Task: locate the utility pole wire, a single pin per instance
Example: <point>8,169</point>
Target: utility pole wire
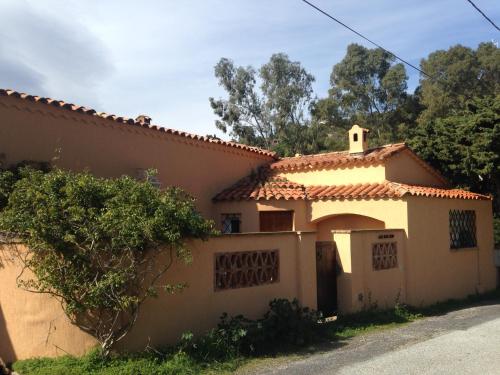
<point>484,15</point>
<point>368,40</point>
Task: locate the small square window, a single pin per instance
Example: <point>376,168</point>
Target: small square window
<point>231,223</point>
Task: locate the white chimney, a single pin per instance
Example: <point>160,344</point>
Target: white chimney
<point>358,139</point>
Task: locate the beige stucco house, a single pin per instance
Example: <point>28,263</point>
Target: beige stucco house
<point>340,231</point>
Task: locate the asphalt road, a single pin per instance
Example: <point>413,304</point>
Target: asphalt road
<point>461,342</point>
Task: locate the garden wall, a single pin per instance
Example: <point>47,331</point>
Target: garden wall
<point>35,325</point>
<point>373,264</point>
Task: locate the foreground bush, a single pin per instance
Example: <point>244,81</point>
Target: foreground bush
<point>100,246</point>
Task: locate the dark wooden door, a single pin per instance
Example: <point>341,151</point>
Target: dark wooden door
<point>326,277</point>
<point>276,221</point>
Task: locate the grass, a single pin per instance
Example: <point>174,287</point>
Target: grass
<point>178,361</point>
<point>174,363</point>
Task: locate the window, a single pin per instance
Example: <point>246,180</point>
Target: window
<point>462,229</point>
<point>231,223</point>
<point>355,137</point>
<point>384,255</point>
<point>276,221</point>
<point>246,268</point>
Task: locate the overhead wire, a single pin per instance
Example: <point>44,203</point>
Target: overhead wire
<point>484,15</point>
<point>367,39</point>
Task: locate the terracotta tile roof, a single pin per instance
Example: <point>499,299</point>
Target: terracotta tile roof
<point>264,186</point>
<point>129,121</point>
<point>425,191</point>
<point>339,159</point>
<point>353,191</point>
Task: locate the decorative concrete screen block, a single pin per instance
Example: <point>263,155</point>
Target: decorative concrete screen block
<point>384,255</point>
<point>246,268</point>
<point>462,229</point>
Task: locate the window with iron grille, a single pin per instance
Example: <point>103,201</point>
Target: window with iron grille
<point>231,223</point>
<point>384,255</point>
<point>246,268</point>
<point>462,229</point>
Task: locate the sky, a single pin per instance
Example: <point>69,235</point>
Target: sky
<point>157,57</point>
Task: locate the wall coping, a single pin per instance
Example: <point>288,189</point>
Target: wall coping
<point>264,233</point>
<point>366,230</point>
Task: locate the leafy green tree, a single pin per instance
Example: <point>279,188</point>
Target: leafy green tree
<point>458,127</point>
<point>459,75</point>
<point>367,87</point>
<point>100,246</point>
<point>465,146</point>
<point>277,114</point>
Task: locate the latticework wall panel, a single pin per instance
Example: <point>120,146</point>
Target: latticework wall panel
<point>384,255</point>
<point>246,268</point>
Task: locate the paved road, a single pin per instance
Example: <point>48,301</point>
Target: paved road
<point>461,342</point>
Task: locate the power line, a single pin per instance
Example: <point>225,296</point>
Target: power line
<point>365,38</point>
<point>484,15</point>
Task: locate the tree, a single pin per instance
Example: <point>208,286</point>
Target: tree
<point>100,246</point>
<point>459,75</point>
<point>367,88</point>
<point>458,127</point>
<point>275,114</point>
<point>465,146</point>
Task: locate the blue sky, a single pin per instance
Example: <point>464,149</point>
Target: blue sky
<point>157,57</point>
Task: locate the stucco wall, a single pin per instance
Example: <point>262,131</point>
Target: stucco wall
<point>346,221</point>
<point>391,211</point>
<point>359,286</point>
<point>337,176</point>
<point>434,271</point>
<point>40,132</point>
<point>404,168</point>
<point>34,325</point>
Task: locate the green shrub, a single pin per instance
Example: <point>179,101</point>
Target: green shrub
<point>285,325</point>
<point>100,246</point>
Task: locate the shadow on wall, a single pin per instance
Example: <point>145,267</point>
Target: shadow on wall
<point>6,350</point>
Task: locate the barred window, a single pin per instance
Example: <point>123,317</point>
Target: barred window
<point>384,255</point>
<point>231,223</point>
<point>246,268</point>
<point>462,229</point>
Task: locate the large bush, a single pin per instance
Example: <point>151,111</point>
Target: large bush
<point>101,246</point>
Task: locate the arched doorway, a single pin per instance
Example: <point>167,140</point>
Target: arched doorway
<point>325,226</point>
